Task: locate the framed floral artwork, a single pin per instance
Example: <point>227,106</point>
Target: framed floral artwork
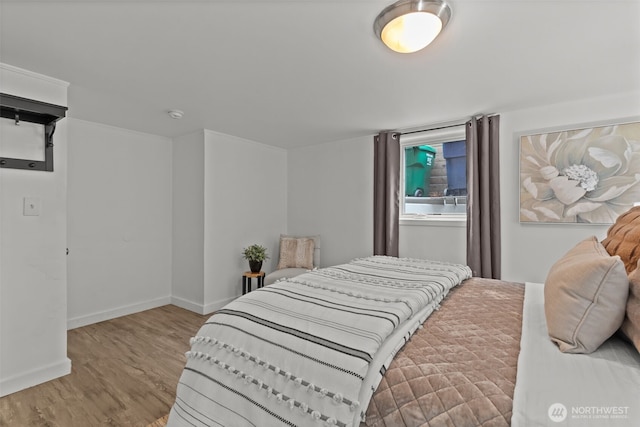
<point>583,176</point>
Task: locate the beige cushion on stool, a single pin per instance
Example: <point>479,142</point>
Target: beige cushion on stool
<point>285,273</point>
<point>296,253</point>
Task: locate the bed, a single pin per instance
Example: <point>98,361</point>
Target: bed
<point>391,342</point>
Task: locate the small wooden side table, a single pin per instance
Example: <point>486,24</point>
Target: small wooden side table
<point>246,280</point>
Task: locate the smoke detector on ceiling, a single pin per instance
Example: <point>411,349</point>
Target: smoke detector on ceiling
<point>176,114</point>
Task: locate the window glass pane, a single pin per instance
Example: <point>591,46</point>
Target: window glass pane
<point>435,174</point>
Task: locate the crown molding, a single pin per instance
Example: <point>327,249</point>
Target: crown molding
<point>11,68</point>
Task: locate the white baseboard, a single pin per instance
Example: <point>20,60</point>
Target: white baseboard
<point>34,377</point>
<point>89,319</point>
<point>216,305</point>
<point>187,305</point>
<point>200,308</point>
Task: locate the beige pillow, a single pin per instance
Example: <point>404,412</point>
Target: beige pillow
<point>585,297</point>
<point>296,252</point>
<point>631,323</point>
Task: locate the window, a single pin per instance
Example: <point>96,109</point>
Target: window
<point>434,182</point>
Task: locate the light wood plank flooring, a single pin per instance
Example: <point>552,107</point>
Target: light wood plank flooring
<point>124,373</point>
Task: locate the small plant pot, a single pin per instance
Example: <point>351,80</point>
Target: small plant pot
<point>255,266</point>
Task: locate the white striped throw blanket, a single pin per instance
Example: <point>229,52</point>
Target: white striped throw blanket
<point>310,350</point>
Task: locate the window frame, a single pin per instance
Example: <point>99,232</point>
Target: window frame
<point>436,136</point>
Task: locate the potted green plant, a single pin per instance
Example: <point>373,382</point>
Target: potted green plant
<point>255,254</point>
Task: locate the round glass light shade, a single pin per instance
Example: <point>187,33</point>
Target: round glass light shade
<point>411,32</point>
<point>410,25</point>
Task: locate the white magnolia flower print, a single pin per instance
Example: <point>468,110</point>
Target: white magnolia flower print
<point>586,176</point>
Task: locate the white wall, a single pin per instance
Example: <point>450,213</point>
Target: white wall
<point>446,241</point>
<point>119,222</point>
<point>331,193</point>
<point>33,273</point>
<point>529,250</point>
<point>228,193</point>
<point>245,203</point>
<point>187,288</point>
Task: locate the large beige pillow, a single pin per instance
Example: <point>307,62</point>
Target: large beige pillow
<point>585,297</point>
<point>631,323</point>
<point>296,252</point>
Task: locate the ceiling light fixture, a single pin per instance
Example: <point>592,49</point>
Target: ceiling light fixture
<point>410,25</point>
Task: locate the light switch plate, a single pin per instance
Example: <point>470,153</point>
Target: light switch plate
<point>31,206</point>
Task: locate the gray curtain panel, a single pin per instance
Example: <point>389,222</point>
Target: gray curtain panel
<point>386,192</point>
<point>483,201</point>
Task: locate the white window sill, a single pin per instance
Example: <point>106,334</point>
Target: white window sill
<point>435,220</point>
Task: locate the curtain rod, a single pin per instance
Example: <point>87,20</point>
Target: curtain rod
<point>455,125</point>
<point>452,124</point>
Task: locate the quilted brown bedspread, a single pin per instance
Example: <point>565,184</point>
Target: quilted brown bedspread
<point>460,369</point>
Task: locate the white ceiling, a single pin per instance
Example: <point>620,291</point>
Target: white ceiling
<point>299,72</point>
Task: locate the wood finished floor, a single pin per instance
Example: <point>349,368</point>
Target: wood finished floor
<point>124,373</point>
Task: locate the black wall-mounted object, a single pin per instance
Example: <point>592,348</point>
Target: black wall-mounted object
<point>29,110</point>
